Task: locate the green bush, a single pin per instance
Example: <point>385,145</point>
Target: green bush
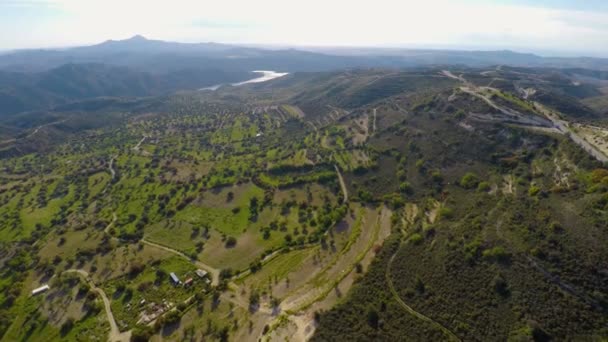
<point>445,213</point>
<point>534,190</point>
<point>469,180</point>
<point>416,238</point>
<point>483,187</point>
<point>497,253</point>
<point>405,187</point>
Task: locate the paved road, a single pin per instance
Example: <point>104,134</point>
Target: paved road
<point>115,334</point>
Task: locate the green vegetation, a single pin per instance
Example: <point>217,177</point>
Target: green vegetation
<point>441,225</point>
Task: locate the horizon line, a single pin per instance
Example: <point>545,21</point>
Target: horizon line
<point>320,47</point>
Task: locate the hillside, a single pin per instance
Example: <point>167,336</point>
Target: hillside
<point>21,92</point>
<point>423,204</point>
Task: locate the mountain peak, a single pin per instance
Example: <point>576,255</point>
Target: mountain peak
<point>137,38</point>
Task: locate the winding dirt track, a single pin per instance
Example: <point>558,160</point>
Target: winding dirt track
<point>107,228</point>
<point>450,335</point>
<point>552,117</point>
<point>562,126</point>
<point>136,148</point>
<point>42,126</point>
<point>215,273</point>
<point>111,167</point>
<point>115,334</point>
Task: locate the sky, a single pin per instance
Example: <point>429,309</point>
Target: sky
<point>545,27</point>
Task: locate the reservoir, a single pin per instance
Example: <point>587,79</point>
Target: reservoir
<point>266,75</point>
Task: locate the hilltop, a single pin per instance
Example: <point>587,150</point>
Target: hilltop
<point>158,56</point>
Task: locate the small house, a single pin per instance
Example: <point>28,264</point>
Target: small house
<point>188,282</point>
<point>201,273</point>
<point>40,290</point>
<point>174,278</point>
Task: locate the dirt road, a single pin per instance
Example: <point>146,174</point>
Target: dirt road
<point>115,334</point>
<point>107,228</point>
<point>41,127</point>
<point>450,335</point>
<point>215,273</point>
<point>563,127</point>
<point>374,122</point>
<point>342,184</point>
<point>111,168</point>
<point>136,148</point>
<point>514,116</point>
<point>553,118</point>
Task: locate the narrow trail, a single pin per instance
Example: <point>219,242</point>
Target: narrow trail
<point>451,336</point>
<point>215,273</point>
<point>115,334</point>
<point>42,126</point>
<point>565,287</point>
<point>136,148</point>
<point>342,184</point>
<point>111,168</point>
<point>449,74</point>
<point>109,226</point>
<point>34,132</point>
<point>374,121</point>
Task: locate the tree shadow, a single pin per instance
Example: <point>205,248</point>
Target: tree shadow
<point>169,329</point>
<point>253,308</point>
<point>341,227</point>
<point>117,294</point>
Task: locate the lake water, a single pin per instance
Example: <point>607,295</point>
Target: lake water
<point>267,75</point>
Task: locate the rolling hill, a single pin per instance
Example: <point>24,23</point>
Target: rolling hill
<point>76,82</point>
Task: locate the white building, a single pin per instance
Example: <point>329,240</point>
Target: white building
<point>201,273</point>
<point>40,290</point>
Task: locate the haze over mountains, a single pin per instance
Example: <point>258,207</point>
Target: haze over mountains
<point>161,56</point>
<point>42,79</point>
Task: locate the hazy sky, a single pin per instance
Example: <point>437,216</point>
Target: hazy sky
<point>546,27</point>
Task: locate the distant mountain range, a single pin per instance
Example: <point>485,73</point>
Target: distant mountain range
<point>160,56</point>
<point>136,67</point>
